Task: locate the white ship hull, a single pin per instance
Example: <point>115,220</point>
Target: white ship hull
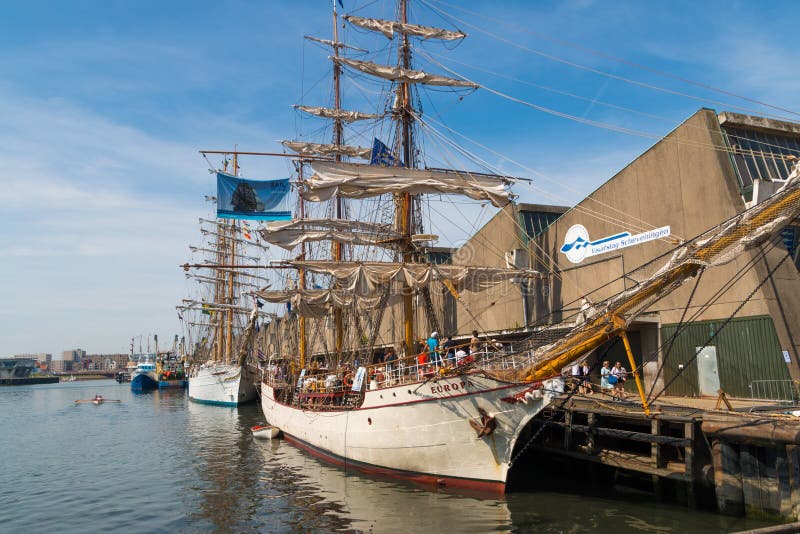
<point>420,431</point>
<point>221,384</point>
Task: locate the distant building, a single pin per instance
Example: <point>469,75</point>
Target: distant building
<point>75,355</point>
<point>40,357</point>
<point>107,362</point>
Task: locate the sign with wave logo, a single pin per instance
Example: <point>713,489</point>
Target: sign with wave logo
<point>577,245</point>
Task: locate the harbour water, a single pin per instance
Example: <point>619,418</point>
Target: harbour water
<point>158,463</point>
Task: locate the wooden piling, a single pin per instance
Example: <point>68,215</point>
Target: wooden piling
<point>727,478</point>
<point>750,460</point>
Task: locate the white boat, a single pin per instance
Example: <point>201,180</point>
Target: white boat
<point>221,384</point>
<point>423,431</point>
<point>265,432</point>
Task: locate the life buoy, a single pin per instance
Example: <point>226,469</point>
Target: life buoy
<point>348,380</point>
<point>380,378</point>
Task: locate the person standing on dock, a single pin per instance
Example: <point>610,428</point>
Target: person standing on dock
<point>587,383</point>
<point>605,372</point>
<point>621,374</point>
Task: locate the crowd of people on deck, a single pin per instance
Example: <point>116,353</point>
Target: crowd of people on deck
<point>433,355</point>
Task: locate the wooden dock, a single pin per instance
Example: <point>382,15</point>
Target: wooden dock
<point>741,461</point>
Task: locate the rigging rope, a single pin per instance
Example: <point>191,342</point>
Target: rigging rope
<point>614,76</point>
<point>613,58</point>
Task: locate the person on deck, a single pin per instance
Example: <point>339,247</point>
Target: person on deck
<point>422,360</point>
<point>474,343</point>
<point>433,349</point>
<point>449,350</point>
<point>390,359</point>
<point>461,356</point>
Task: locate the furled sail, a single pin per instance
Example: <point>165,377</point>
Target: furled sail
<point>292,233</point>
<point>341,114</point>
<point>319,149</point>
<point>365,279</point>
<point>388,27</point>
<point>399,74</point>
<point>318,302</point>
<point>334,44</point>
<point>363,181</point>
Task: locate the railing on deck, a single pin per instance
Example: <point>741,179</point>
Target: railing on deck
<point>785,390</point>
<point>333,387</point>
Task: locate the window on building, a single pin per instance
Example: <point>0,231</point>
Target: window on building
<point>536,222</point>
<point>760,155</point>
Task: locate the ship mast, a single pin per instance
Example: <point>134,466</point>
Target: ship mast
<point>302,274</point>
<point>217,319</point>
<point>232,261</point>
<point>405,204</point>
<point>338,140</point>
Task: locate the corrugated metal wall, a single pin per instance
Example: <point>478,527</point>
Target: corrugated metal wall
<point>747,349</point>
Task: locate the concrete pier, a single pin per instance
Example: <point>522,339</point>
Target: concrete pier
<point>28,381</point>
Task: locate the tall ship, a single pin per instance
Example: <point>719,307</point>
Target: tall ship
<point>353,367</point>
<point>219,319</point>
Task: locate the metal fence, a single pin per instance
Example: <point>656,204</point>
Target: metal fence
<point>785,390</point>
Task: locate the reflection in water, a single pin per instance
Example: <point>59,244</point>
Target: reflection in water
<point>371,504</point>
<point>159,463</point>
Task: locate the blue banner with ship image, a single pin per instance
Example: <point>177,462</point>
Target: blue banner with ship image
<point>260,200</point>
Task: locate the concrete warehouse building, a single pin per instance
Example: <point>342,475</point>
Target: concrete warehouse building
<point>707,170</point>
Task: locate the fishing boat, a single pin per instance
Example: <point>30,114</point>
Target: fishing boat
<point>171,369</point>
<point>142,366</point>
<point>144,377</point>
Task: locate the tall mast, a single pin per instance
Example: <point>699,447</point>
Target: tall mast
<point>232,261</point>
<point>218,290</point>
<point>406,212</point>
<point>302,273</point>
<point>338,139</point>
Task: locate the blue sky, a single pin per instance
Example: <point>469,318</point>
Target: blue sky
<point>104,105</point>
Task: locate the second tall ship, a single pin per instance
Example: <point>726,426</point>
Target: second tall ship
<point>219,321</point>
